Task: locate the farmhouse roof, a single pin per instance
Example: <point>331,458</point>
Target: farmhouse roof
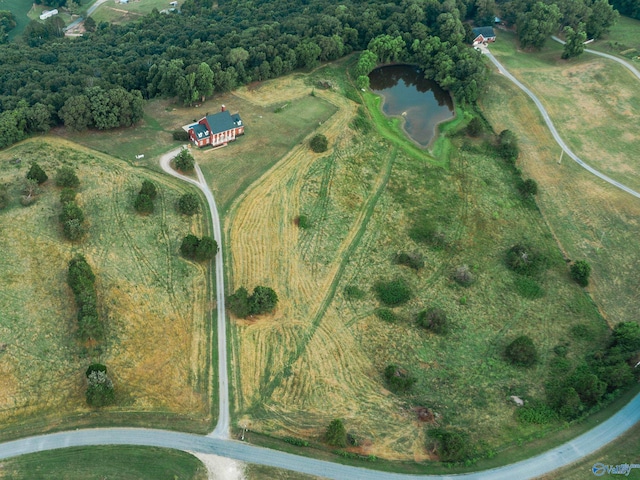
<point>200,131</point>
<point>486,32</point>
<point>223,121</point>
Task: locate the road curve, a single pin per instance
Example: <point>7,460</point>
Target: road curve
<point>222,427</point>
<point>542,464</point>
<point>553,130</point>
<point>624,63</point>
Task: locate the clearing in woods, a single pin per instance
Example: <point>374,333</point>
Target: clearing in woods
<point>321,355</point>
<point>156,306</point>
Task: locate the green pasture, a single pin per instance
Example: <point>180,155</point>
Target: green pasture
<point>152,302</point>
<point>20,9</point>
<point>623,39</point>
<point>113,12</point>
<point>104,462</point>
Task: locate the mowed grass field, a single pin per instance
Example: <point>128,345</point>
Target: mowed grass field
<point>105,462</point>
<point>590,219</point>
<point>593,102</point>
<point>321,355</point>
<point>622,39</point>
<point>116,12</point>
<point>20,9</point>
<point>156,306</point>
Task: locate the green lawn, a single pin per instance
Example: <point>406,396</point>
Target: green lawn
<point>623,37</point>
<point>105,462</point>
<point>20,9</point>
<point>121,13</point>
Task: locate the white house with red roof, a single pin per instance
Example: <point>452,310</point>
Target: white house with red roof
<point>216,130</point>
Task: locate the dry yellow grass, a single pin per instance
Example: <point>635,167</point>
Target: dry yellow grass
<point>153,303</point>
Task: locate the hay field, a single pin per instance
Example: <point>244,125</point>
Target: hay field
<point>155,305</point>
<point>320,355</point>
<point>590,219</point>
<point>594,103</point>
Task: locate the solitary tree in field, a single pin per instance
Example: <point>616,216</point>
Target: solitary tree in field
<point>319,143</point>
<point>37,173</point>
<point>580,272</point>
<point>522,352</point>
<point>189,204</point>
<point>336,434</point>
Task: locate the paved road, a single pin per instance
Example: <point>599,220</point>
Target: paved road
<point>90,10</point>
<point>222,428</point>
<point>626,64</point>
<point>531,468</point>
<point>552,127</point>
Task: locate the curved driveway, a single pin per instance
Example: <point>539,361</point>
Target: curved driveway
<point>552,127</point>
<point>218,441</point>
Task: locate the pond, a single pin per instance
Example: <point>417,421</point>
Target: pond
<point>421,103</point>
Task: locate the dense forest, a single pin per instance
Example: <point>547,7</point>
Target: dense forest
<point>99,80</point>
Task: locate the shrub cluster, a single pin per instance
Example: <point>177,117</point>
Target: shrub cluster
<point>319,143</point>
<point>180,135</point>
<point>386,315</point>
<point>393,292</point>
<point>425,231</point>
<point>81,280</point>
<point>263,300</point>
<point>454,445</point>
<point>434,319</point>
<point>296,441</point>
<point>580,272</point>
<point>100,390</point>
<point>66,177</point>
<point>353,292</point>
<point>189,204</point>
<point>463,276</point>
<point>507,146</point>
<point>522,352</point>
<point>184,162</point>
<point>411,260</point>
<point>72,219</point>
<point>198,249</point>
<point>144,200</point>
<point>336,434</point>
<point>524,259</point>
<point>398,379</point>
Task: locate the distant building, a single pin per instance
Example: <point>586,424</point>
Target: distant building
<point>48,13</point>
<point>173,4</point>
<point>483,35</point>
<point>215,130</point>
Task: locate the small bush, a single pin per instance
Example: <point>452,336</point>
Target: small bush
<point>385,315</point>
<point>336,434</point>
<point>522,352</point>
<point>66,177</point>
<point>73,229</point>
<point>524,260</point>
<point>528,188</point>
<point>100,389</point>
<point>475,127</point>
<point>143,204</point>
<point>423,231</point>
<point>527,287</point>
<point>71,211</point>
<point>319,143</point>
<point>180,136</point>
<point>454,445</point>
<point>582,332</point>
<point>67,195</point>
<point>296,441</point>
<point>37,173</point>
<point>398,379</point>
<point>536,412</point>
<point>463,276</point>
<point>149,189</point>
<point>411,260</point>
<point>434,319</point>
<point>508,146</point>
<point>302,221</point>
<point>393,293</point>
<point>580,272</point>
<point>352,292</point>
<point>189,204</point>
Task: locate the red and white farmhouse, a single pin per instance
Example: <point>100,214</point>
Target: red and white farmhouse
<point>215,130</point>
<point>483,35</point>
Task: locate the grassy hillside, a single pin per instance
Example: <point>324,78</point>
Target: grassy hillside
<point>322,354</point>
<point>99,463</point>
<point>155,305</point>
<point>589,218</point>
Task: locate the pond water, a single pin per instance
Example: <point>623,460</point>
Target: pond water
<point>421,103</point>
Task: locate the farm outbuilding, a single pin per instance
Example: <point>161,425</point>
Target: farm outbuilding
<point>215,130</point>
<point>48,13</point>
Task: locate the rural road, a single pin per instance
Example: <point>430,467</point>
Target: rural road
<point>527,469</point>
<point>626,64</point>
<point>552,127</point>
<point>222,428</point>
<point>90,10</point>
